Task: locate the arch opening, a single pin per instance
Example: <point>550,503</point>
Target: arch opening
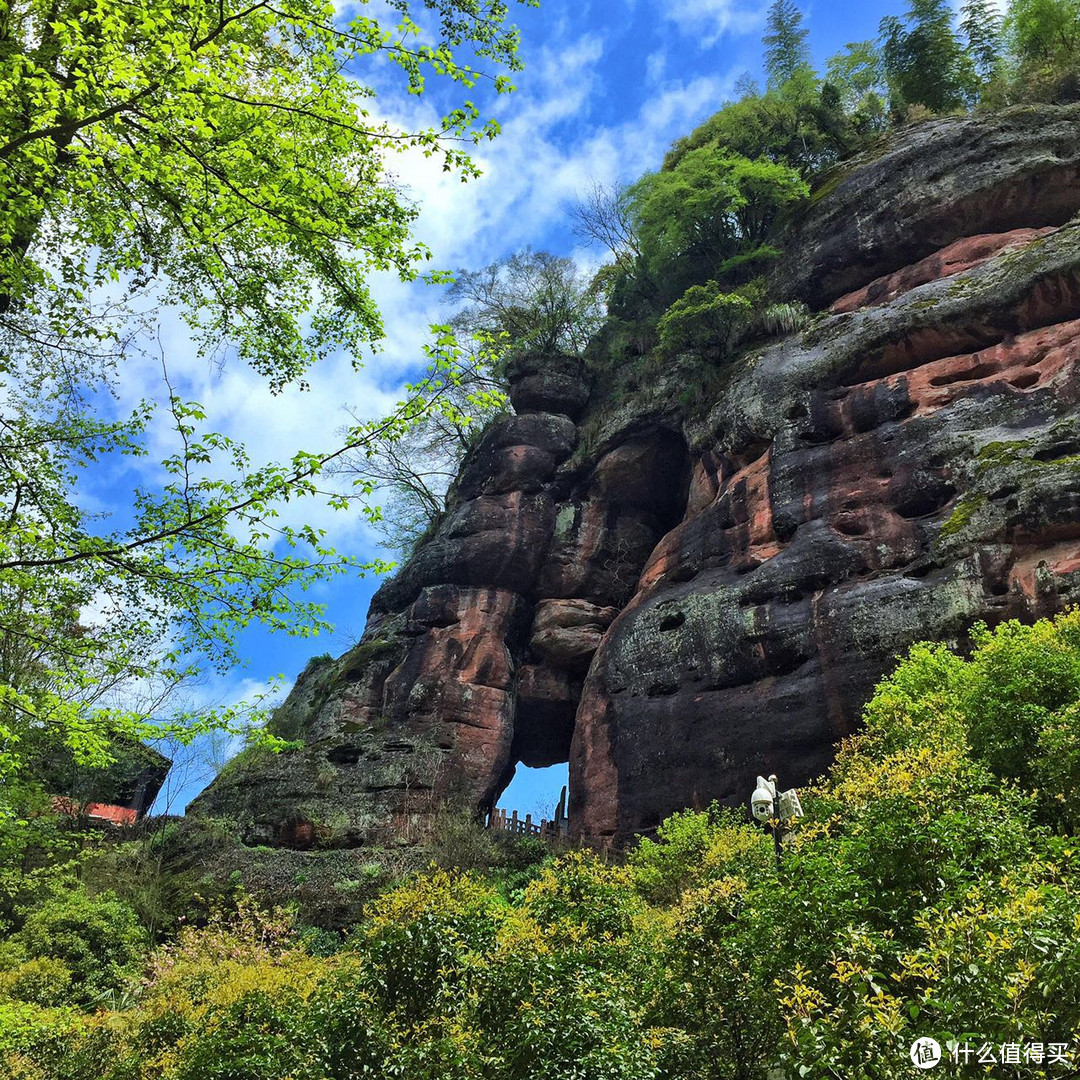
<point>535,791</point>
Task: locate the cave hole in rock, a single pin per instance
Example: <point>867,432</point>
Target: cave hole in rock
<point>1025,380</point>
<point>535,791</point>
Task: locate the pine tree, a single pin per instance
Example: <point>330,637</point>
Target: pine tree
<point>786,51</point>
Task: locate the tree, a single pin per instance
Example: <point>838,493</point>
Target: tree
<point>1044,35</point>
<point>222,157</point>
<point>709,217</point>
<point>924,61</point>
<point>603,216</point>
<point>981,26</point>
<point>414,470</point>
<point>797,125</point>
<point>533,301</point>
<point>222,149</point>
<point>786,51</point>
<point>856,73</point>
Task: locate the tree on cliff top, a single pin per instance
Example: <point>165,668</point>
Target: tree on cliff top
<point>531,301</point>
<point>1044,36</point>
<point>786,51</point>
<point>710,216</point>
<point>923,58</point>
<point>225,157</point>
<point>981,25</point>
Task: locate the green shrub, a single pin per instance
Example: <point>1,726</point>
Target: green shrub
<point>692,848</point>
<point>1022,679</point>
<point>705,317</point>
<point>41,981</point>
<point>98,940</point>
<point>714,318</point>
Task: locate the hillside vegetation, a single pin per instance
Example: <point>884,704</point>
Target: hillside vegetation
<point>931,890</point>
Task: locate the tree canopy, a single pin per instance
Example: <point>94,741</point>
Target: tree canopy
<point>227,152</point>
<point>709,214</point>
<point>230,159</point>
<point>924,60</point>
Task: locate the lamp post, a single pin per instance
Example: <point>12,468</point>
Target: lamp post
<point>775,807</point>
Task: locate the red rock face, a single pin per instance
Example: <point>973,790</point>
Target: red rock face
<point>566,633</point>
<point>457,680</point>
<point>697,601</point>
<point>965,254</point>
<point>904,494</point>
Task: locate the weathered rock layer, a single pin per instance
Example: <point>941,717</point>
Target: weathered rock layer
<point>688,600</point>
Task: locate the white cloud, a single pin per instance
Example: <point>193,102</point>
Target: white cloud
<point>708,20</point>
<point>656,66</point>
<point>531,172</point>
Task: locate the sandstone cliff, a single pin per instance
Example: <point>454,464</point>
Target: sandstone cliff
<point>675,598</point>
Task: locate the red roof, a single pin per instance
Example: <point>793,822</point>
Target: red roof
<point>120,815</point>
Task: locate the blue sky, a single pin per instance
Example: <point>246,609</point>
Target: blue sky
<point>606,88</point>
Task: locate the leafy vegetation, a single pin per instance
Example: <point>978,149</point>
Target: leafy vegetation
<point>222,159</point>
<point>932,889</point>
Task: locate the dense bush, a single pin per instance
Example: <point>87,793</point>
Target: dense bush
<point>930,890</point>
<point>90,942</point>
<point>709,216</point>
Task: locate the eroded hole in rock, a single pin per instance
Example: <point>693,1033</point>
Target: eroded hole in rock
<point>849,525</point>
<point>1026,380</point>
<point>544,725</point>
<point>782,659</point>
<point>979,371</point>
<point>672,621</point>
<point>921,495</point>
<point>675,480</point>
<point>1057,451</point>
<point>535,791</point>
<point>664,688</point>
<point>925,345</point>
<point>344,755</point>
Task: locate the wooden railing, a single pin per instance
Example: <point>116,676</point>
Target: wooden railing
<point>502,821</point>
